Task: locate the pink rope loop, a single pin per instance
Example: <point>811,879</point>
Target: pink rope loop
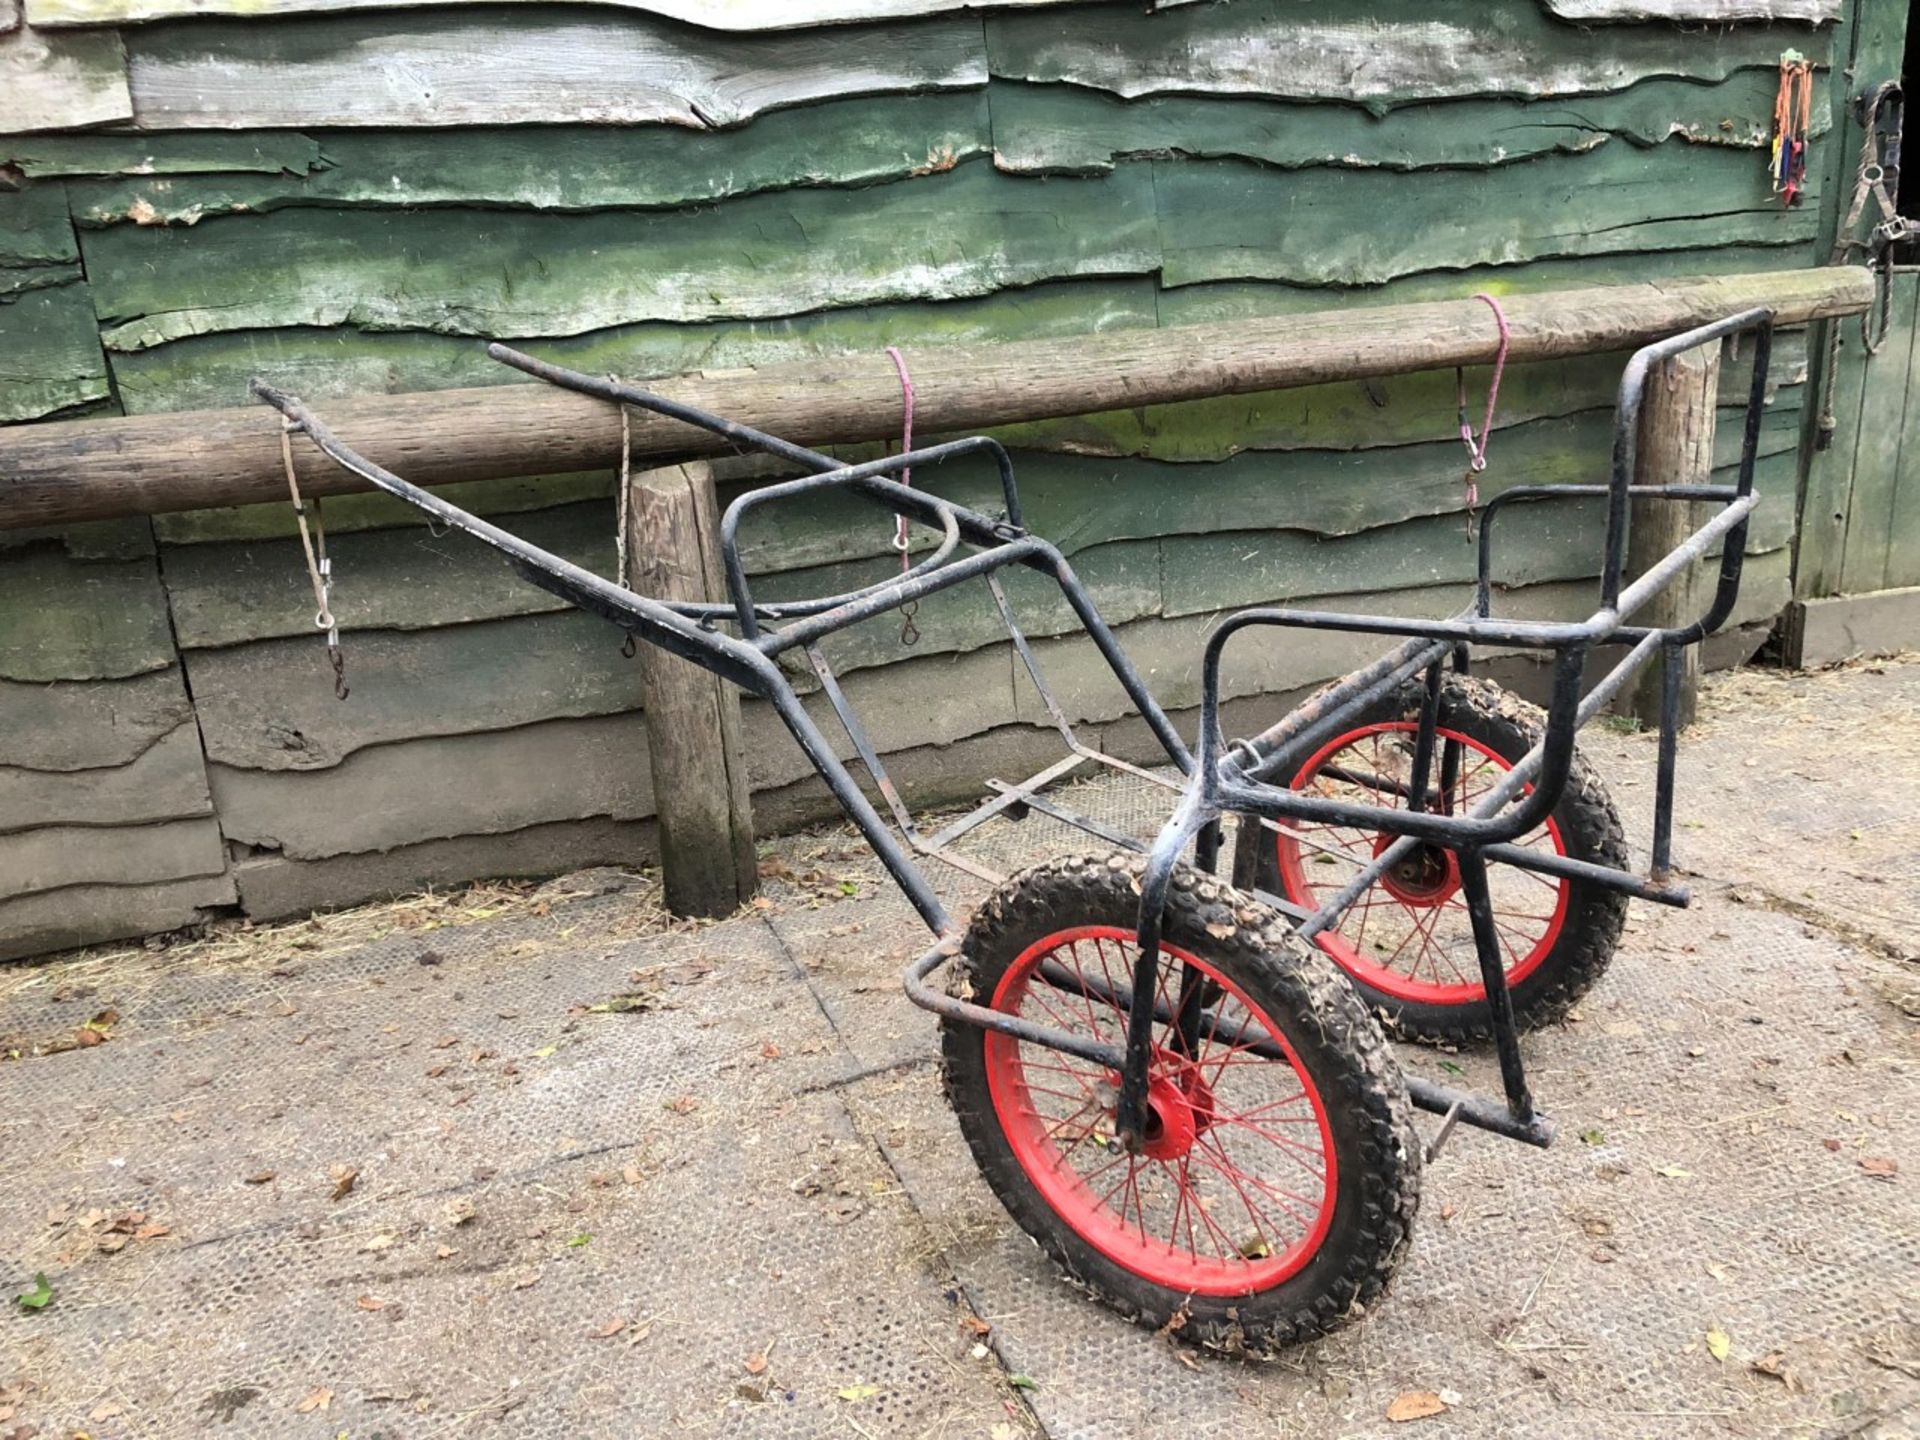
<point>1477,448</point>
<point>906,444</point>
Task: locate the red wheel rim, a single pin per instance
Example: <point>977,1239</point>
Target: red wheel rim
<point>1236,1189</point>
<point>1409,936</point>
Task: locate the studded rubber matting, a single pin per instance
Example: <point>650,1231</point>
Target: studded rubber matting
<point>730,1200</point>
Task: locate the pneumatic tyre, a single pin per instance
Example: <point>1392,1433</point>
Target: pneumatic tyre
<point>1278,1184</point>
<point>1407,942</point>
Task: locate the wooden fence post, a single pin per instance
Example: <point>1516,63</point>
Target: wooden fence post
<point>700,791</point>
<point>1676,448</point>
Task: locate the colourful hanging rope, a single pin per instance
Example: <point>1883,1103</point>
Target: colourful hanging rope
<point>1792,119</point>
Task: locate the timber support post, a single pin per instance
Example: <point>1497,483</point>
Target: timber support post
<point>1676,448</point>
<point>705,814</point>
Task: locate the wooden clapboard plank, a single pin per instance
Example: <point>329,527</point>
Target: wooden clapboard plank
<point>213,370</point>
<point>1535,543</point>
<point>1705,12</point>
<point>1069,128</point>
<point>83,725</point>
<point>1221,219</point>
<point>56,856</point>
<point>1168,649</point>
<point>34,228</point>
<point>841,142</point>
<point>743,15</point>
<point>1345,50</point>
<point>432,789</point>
<point>55,81</point>
<point>538,65</point>
<point>1877,469</point>
<point>272,885</point>
<point>128,539</point>
<point>351,514</point>
<point>90,914</point>
<point>67,620</point>
<point>967,232</point>
<point>41,157</point>
<point>405,579</point>
<point>1225,300</point>
<point>167,781</point>
<point>50,357</point>
<point>271,706</point>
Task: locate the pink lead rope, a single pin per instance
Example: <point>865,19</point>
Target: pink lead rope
<point>1477,448</point>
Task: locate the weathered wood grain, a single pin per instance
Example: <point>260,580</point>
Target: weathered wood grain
<point>91,914</point>
<point>417,790</point>
<point>520,67</point>
<point>1345,51</point>
<point>212,370</point>
<point>1676,447</point>
<point>271,706</point>
<point>1220,301</point>
<point>56,856</point>
<point>50,356</point>
<point>128,539</point>
<point>53,81</point>
<point>405,579</point>
<point>41,157</point>
<point>81,725</point>
<point>1218,217</point>
<point>1880,469</point>
<point>1704,12</point>
<point>97,469</point>
<point>672,541</point>
<point>566,168</point>
<point>65,620</point>
<point>168,781</point>
<point>966,232</point>
<point>34,228</point>
<point>1042,128</point>
<point>742,15</point>
<point>272,886</point>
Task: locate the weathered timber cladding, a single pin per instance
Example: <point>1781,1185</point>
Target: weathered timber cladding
<point>345,198</point>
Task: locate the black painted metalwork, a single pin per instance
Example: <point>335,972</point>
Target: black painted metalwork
<point>1222,776</point>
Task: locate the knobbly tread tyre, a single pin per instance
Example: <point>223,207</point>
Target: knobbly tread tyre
<point>1378,1153</point>
<point>1588,823</point>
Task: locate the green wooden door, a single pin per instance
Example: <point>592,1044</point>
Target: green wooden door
<point>1859,520</point>
<point>1860,527</point>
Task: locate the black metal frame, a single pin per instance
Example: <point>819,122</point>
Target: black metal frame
<point>1223,776</point>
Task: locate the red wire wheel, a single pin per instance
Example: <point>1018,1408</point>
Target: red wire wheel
<point>1407,942</point>
<point>1277,1174</point>
<point>1235,1189</point>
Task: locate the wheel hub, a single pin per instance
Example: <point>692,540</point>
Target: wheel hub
<point>1179,1107</point>
<point>1425,877</point>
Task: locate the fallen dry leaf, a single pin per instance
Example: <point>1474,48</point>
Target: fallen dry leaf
<point>106,1410</point>
<point>259,1177</point>
<point>1882,1167</point>
<point>755,1364</point>
<point>1719,1343</point>
<point>633,1174</point>
<point>344,1178</point>
<point>315,1400</point>
<point>369,1302</point>
<point>681,1105</point>
<point>1775,1365</point>
<point>379,1242</point>
<point>976,1325</point>
<point>611,1328</point>
<point>1414,1405</point>
<point>152,1230</point>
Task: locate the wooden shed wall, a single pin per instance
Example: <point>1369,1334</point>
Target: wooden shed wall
<point>346,201</point>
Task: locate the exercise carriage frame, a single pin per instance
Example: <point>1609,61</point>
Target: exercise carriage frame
<point>1220,776</point>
